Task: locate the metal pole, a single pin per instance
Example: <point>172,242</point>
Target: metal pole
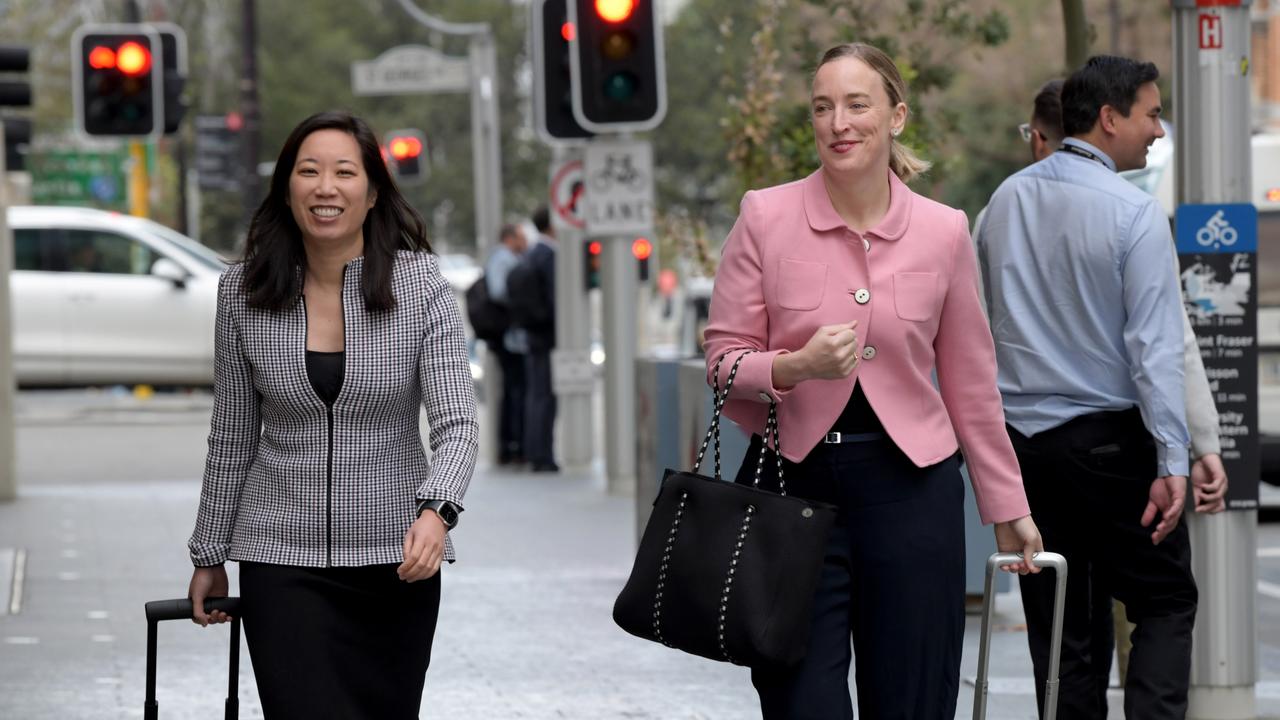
<point>573,336</point>
<point>619,283</point>
<point>8,466</point>
<point>1212,158</point>
<point>249,110</point>
<point>485,141</point>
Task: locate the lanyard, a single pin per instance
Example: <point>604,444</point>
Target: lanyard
<point>1077,150</point>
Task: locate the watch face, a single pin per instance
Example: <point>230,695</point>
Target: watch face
<point>448,514</point>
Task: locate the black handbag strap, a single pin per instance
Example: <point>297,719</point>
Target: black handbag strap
<point>713,432</point>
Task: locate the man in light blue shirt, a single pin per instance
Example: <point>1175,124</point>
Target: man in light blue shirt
<point>1087,323</point>
<point>509,349</point>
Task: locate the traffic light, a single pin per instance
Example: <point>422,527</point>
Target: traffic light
<point>405,149</point>
<point>642,249</point>
<point>173,51</point>
<point>591,264</point>
<point>552,81</point>
<point>617,64</point>
<point>15,92</point>
<point>118,85</point>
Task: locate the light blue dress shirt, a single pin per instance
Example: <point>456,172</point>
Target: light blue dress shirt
<point>501,262</point>
<point>1084,313</point>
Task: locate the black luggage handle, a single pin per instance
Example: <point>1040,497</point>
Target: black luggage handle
<point>181,609</point>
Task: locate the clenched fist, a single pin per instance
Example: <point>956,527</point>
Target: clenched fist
<point>831,354</point>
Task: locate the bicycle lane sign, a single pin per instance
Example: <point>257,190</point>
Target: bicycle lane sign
<point>1217,253</point>
<point>619,197</point>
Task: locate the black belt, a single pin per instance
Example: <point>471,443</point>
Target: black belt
<point>839,438</point>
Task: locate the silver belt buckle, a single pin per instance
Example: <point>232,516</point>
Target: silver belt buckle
<point>833,438</point>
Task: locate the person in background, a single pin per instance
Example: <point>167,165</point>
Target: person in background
<point>1091,357</point>
<point>511,348</point>
<point>1043,135</point>
<point>540,399</point>
<point>330,334</point>
<point>843,294</point>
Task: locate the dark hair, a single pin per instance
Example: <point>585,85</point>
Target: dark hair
<point>542,219</point>
<point>274,254</point>
<point>1048,110</point>
<point>507,231</point>
<point>1104,80</point>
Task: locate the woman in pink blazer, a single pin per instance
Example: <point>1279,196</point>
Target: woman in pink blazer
<point>853,291</point>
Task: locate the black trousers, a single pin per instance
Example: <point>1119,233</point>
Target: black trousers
<point>338,642</point>
<point>1088,483</point>
<point>511,408</point>
<point>540,403</point>
<point>893,583</point>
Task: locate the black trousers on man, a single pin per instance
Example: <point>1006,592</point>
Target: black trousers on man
<point>1088,483</point>
<point>540,413</point>
<point>512,405</point>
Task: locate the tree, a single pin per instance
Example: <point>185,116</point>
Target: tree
<point>1075,28</point>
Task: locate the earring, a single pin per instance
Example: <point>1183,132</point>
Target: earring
<point>895,131</point>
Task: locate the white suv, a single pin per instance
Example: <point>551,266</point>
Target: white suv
<point>105,298</point>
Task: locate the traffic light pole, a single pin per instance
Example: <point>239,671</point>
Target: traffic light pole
<point>572,371</point>
<point>8,466</point>
<point>485,145</point>
<point>619,283</point>
<point>1211,94</point>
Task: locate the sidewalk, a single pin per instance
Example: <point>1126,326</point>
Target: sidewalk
<point>525,628</point>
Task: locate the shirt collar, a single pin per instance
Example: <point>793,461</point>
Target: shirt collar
<point>1106,159</point>
<point>822,214</point>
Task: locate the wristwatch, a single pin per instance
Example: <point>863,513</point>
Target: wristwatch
<point>447,511</point>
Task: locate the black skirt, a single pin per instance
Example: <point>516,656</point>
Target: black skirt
<point>338,642</point>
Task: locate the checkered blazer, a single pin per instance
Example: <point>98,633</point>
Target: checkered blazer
<point>288,482</point>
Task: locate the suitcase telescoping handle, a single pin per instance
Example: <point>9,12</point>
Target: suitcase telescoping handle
<point>1048,560</point>
<point>160,610</point>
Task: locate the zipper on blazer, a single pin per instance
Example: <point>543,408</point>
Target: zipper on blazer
<point>328,500</point>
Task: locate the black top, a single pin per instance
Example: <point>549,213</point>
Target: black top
<point>325,371</point>
<point>857,417</point>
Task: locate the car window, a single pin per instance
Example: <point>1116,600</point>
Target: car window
<point>192,249</point>
<point>98,251</point>
<point>29,253</point>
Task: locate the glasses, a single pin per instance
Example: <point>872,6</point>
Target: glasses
<point>1025,131</point>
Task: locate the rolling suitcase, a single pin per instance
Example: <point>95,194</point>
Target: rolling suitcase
<point>161,610</point>
<point>1045,560</point>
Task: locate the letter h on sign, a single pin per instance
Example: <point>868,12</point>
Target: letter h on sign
<point>1210,32</point>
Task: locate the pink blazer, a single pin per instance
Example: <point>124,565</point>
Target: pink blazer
<point>790,265</point>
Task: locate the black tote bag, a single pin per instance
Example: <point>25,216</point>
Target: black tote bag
<point>727,571</point>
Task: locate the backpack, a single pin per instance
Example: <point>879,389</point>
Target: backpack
<point>489,319</point>
<point>526,298</point>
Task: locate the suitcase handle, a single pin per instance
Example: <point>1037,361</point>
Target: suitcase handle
<point>181,609</point>
<point>1043,560</point>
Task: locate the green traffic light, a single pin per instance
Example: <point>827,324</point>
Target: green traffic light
<point>620,86</point>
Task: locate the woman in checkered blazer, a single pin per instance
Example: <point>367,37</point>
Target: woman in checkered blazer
<point>333,330</point>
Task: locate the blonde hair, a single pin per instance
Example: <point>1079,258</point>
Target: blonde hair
<point>902,160</point>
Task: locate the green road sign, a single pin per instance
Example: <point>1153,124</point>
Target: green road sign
<point>88,178</point>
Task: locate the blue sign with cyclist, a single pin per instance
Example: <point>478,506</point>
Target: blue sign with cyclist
<point>1218,259</point>
<point>1217,228</point>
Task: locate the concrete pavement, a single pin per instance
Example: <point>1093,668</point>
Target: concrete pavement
<point>525,629</point>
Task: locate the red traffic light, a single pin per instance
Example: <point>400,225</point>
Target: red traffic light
<point>133,59</point>
<point>568,32</point>
<point>615,11</point>
<point>595,248</point>
<point>642,248</point>
<point>102,58</point>
<point>403,148</point>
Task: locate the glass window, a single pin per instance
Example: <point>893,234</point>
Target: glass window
<point>96,251</point>
<point>26,250</point>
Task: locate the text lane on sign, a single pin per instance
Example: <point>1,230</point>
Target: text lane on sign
<point>618,197</point>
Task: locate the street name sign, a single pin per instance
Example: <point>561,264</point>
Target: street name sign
<point>410,70</point>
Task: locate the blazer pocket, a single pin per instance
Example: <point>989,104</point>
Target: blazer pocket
<point>801,284</point>
<point>915,295</point>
